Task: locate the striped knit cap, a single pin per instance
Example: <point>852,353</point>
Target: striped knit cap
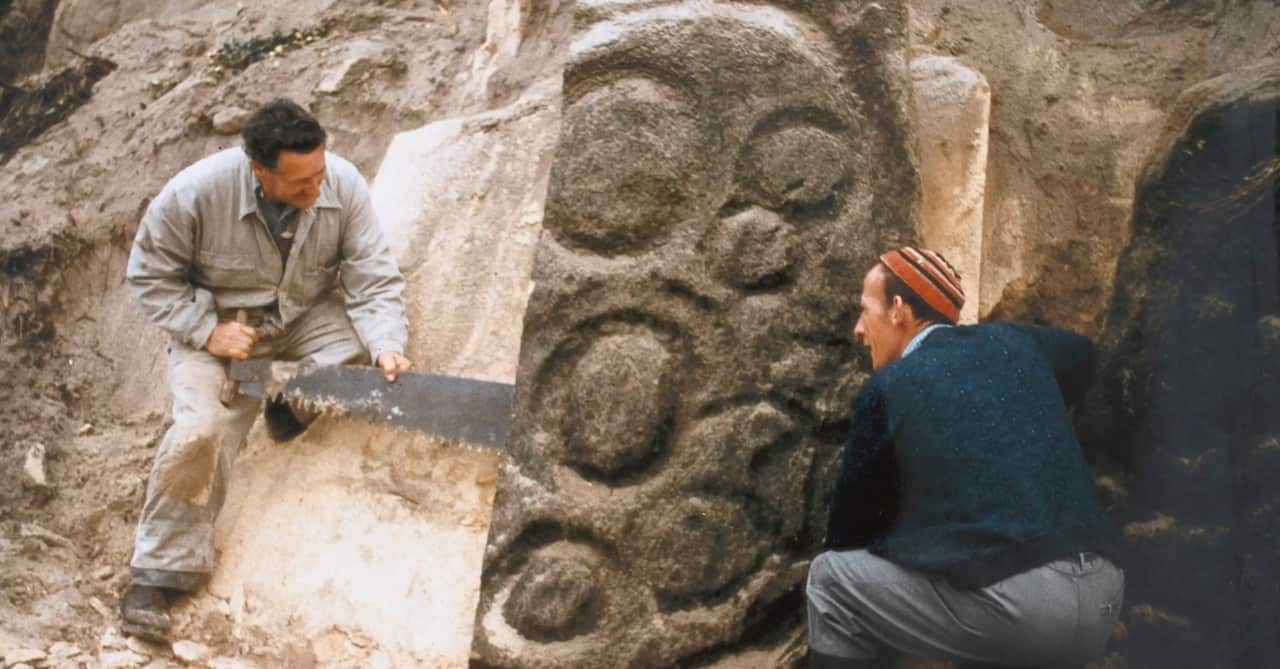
<point>930,276</point>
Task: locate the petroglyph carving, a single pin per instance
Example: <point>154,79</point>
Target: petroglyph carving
<point>725,174</point>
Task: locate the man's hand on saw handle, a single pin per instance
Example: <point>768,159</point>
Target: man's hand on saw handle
<point>232,340</point>
<point>235,341</point>
<point>392,364</point>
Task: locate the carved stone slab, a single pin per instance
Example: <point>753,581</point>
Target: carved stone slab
<point>726,174</point>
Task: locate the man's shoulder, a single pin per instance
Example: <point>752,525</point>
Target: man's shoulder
<point>944,348</point>
<point>344,184</point>
<point>334,161</point>
<point>227,165</point>
<point>341,170</point>
<point>968,339</point>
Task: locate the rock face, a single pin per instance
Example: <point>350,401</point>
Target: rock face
<point>726,173</point>
<point>24,31</point>
<point>1187,412</point>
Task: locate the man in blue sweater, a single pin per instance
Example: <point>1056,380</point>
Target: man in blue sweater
<point>964,523</point>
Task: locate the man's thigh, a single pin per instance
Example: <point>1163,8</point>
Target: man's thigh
<point>205,435</point>
<point>195,379</point>
<point>865,604</point>
<point>324,336</point>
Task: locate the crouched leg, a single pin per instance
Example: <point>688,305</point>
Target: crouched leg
<point>173,547</point>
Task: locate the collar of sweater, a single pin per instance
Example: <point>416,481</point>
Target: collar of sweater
<point>920,337</point>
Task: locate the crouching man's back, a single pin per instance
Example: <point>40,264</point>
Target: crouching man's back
<point>964,523</point>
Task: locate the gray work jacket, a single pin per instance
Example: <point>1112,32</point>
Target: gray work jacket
<point>203,247</point>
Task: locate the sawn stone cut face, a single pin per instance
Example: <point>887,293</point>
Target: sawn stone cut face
<point>725,176</point>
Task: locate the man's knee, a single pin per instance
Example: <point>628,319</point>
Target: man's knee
<point>844,570</point>
<point>185,467</point>
<point>820,574</point>
<point>823,597</point>
<point>835,638</point>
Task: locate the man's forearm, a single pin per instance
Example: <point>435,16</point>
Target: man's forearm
<point>184,311</point>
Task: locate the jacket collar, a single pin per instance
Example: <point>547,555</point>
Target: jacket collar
<point>920,337</point>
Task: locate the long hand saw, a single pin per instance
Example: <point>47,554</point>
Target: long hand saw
<point>476,413</point>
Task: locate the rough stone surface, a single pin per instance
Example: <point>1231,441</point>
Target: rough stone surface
<point>78,24</point>
<point>24,31</point>
<point>358,60</point>
<point>63,650</point>
<point>121,659</point>
<point>953,111</point>
<point>23,655</point>
<point>686,370</point>
<point>144,647</point>
<point>1187,412</point>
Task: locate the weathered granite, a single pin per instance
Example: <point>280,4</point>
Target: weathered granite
<point>726,173</point>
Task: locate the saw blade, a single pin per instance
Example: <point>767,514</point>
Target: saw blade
<point>469,411</point>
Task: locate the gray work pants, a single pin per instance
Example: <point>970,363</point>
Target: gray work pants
<point>173,547</point>
<point>1060,614</point>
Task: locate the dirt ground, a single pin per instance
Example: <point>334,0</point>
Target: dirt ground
<point>83,398</point>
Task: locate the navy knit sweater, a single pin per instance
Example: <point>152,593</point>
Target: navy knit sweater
<point>961,461</point>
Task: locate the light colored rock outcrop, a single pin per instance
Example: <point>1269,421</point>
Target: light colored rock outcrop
<point>953,109</point>
<point>462,202</point>
<point>367,534</point>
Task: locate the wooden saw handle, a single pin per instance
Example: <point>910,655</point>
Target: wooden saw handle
<point>231,387</point>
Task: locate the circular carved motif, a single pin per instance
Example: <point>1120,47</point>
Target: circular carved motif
<point>636,167</point>
<point>618,402</point>
<point>751,249</point>
<point>554,594</point>
<point>696,547</point>
<point>796,171</point>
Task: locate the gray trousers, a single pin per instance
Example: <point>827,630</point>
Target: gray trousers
<point>173,547</point>
<point>1060,614</point>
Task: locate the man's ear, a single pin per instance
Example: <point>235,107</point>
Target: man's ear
<point>895,310</point>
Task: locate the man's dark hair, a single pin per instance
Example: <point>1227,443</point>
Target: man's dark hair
<point>280,125</point>
<point>895,287</point>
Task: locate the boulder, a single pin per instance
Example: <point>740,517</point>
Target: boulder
<point>461,201</point>
<point>725,175</point>
<point>953,113</point>
<point>1187,406</point>
<point>191,652</point>
<point>371,530</point>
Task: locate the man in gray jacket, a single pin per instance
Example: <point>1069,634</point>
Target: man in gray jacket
<point>285,232</point>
